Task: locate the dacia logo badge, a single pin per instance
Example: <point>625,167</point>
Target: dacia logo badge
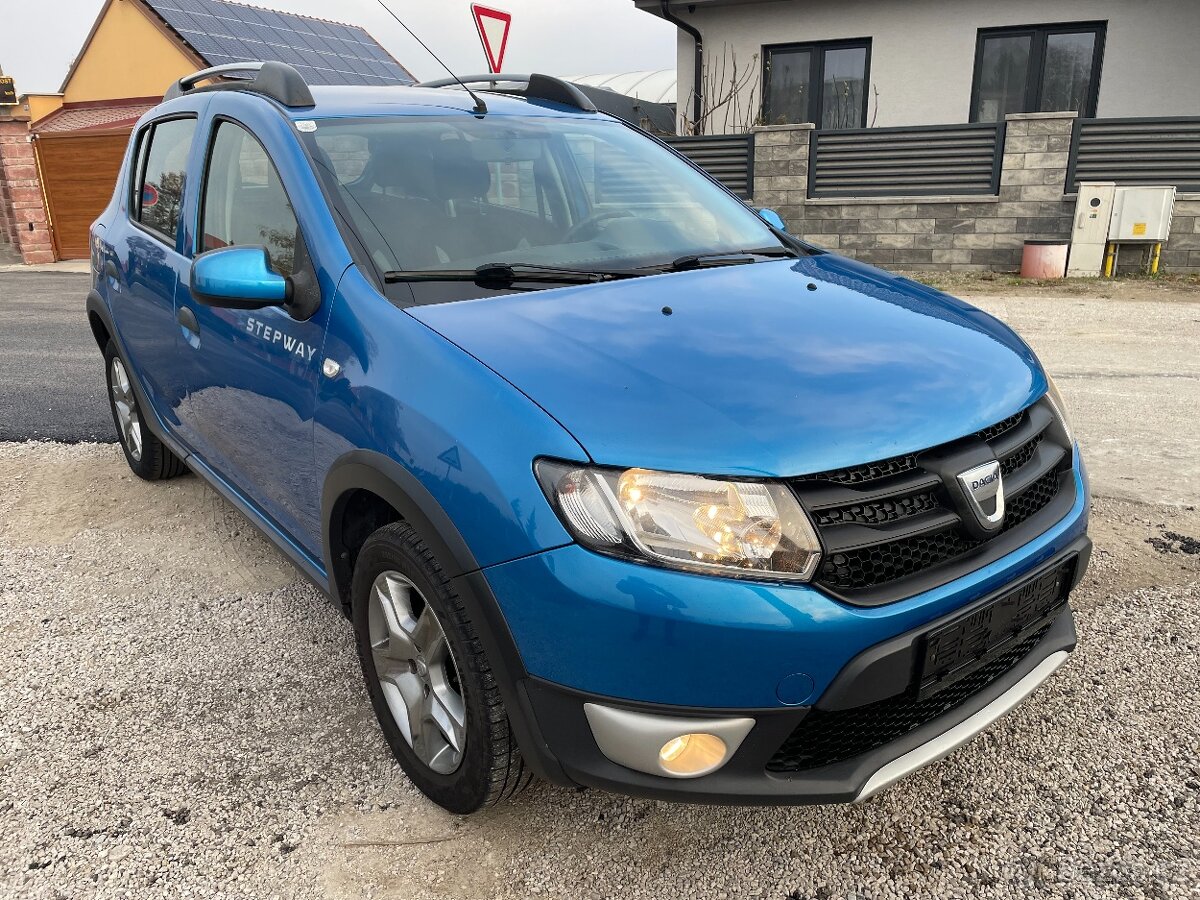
<point>983,487</point>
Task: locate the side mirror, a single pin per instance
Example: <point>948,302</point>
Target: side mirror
<point>238,278</point>
<point>772,218</point>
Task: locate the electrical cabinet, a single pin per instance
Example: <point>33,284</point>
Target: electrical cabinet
<point>1089,232</point>
<point>1142,214</point>
<point>1109,215</point>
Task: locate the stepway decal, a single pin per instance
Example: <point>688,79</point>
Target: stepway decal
<point>275,336</point>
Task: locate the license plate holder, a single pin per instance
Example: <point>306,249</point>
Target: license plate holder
<point>952,651</point>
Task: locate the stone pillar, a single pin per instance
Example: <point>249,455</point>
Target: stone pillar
<point>1032,183</point>
<point>9,125</point>
<point>25,209</point>
<point>781,169</point>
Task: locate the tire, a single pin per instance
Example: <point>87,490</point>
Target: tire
<point>147,456</point>
<point>427,676</point>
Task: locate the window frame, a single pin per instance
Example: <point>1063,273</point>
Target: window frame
<point>817,50</point>
<point>197,247</point>
<point>133,201</point>
<point>1038,39</point>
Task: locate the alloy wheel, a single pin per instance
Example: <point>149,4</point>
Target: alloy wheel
<point>129,421</point>
<point>417,672</point>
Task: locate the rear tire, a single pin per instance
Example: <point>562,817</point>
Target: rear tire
<point>147,456</point>
<point>429,680</point>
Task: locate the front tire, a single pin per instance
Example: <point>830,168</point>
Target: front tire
<point>430,683</point>
<point>147,456</point>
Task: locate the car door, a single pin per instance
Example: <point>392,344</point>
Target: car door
<point>252,374</point>
<point>149,263</point>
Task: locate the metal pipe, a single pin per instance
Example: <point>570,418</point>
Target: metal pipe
<point>698,76</point>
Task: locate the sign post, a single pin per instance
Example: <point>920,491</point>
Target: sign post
<point>492,25</point>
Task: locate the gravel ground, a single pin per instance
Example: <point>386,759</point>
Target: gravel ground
<point>180,717</point>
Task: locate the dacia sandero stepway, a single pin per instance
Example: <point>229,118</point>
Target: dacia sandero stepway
<point>621,485</point>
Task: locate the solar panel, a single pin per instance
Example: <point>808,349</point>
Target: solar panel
<point>323,52</point>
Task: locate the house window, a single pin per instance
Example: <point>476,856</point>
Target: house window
<point>822,83</point>
<point>1041,68</point>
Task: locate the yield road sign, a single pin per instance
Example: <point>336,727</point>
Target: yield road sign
<point>492,25</point>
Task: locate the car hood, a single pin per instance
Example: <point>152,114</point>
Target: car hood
<point>777,368</point>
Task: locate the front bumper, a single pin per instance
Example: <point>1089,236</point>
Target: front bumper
<point>588,629</point>
<point>564,744</point>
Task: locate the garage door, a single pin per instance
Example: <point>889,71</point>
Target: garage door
<point>78,173</point>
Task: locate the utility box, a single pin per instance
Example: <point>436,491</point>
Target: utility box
<point>1089,232</point>
<point>1142,215</point>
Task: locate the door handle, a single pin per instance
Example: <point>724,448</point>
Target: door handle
<point>187,319</point>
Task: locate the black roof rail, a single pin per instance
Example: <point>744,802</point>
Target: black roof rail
<point>541,87</point>
<point>276,80</point>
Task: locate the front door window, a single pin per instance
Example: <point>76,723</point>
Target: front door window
<point>244,200</point>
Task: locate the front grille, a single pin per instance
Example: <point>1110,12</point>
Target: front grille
<point>885,524</point>
<point>881,563</point>
<point>1032,500</point>
<point>1002,427</point>
<point>1020,456</point>
<point>869,472</point>
<point>880,511</point>
<point>825,737</point>
<point>895,559</point>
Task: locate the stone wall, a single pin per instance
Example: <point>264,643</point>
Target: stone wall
<point>966,233</point>
<point>23,220</point>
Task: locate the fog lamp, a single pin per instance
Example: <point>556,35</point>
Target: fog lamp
<point>692,754</point>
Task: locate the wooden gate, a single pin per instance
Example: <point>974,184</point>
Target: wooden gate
<point>78,172</point>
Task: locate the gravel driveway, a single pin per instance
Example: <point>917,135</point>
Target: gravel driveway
<point>181,717</point>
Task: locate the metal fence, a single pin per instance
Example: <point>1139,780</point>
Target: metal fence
<point>1135,151</point>
<point>905,162</point>
<point>729,158</point>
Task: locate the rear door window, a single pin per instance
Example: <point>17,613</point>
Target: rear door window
<point>244,201</point>
<point>162,172</point>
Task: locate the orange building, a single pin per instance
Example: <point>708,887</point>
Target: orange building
<point>136,48</point>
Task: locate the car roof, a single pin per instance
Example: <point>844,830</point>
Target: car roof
<point>338,101</point>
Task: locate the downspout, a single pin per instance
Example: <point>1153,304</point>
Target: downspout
<point>698,76</point>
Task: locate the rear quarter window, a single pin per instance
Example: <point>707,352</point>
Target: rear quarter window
<point>162,173</point>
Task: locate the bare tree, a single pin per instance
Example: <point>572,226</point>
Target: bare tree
<point>730,94</point>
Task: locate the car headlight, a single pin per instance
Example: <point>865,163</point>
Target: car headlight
<point>1060,408</point>
<point>737,528</point>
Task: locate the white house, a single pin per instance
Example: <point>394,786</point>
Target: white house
<point>862,63</point>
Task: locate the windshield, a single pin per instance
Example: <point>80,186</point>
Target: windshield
<point>457,192</point>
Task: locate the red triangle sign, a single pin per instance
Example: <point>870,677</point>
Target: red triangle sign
<point>492,25</point>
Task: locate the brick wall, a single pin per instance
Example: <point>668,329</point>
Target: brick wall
<point>23,220</point>
<point>958,233</point>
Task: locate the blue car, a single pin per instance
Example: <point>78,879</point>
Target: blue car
<point>621,485</point>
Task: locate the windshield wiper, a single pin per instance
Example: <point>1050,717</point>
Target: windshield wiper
<point>505,274</point>
<point>730,258</point>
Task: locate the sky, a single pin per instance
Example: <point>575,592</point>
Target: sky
<point>39,39</point>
